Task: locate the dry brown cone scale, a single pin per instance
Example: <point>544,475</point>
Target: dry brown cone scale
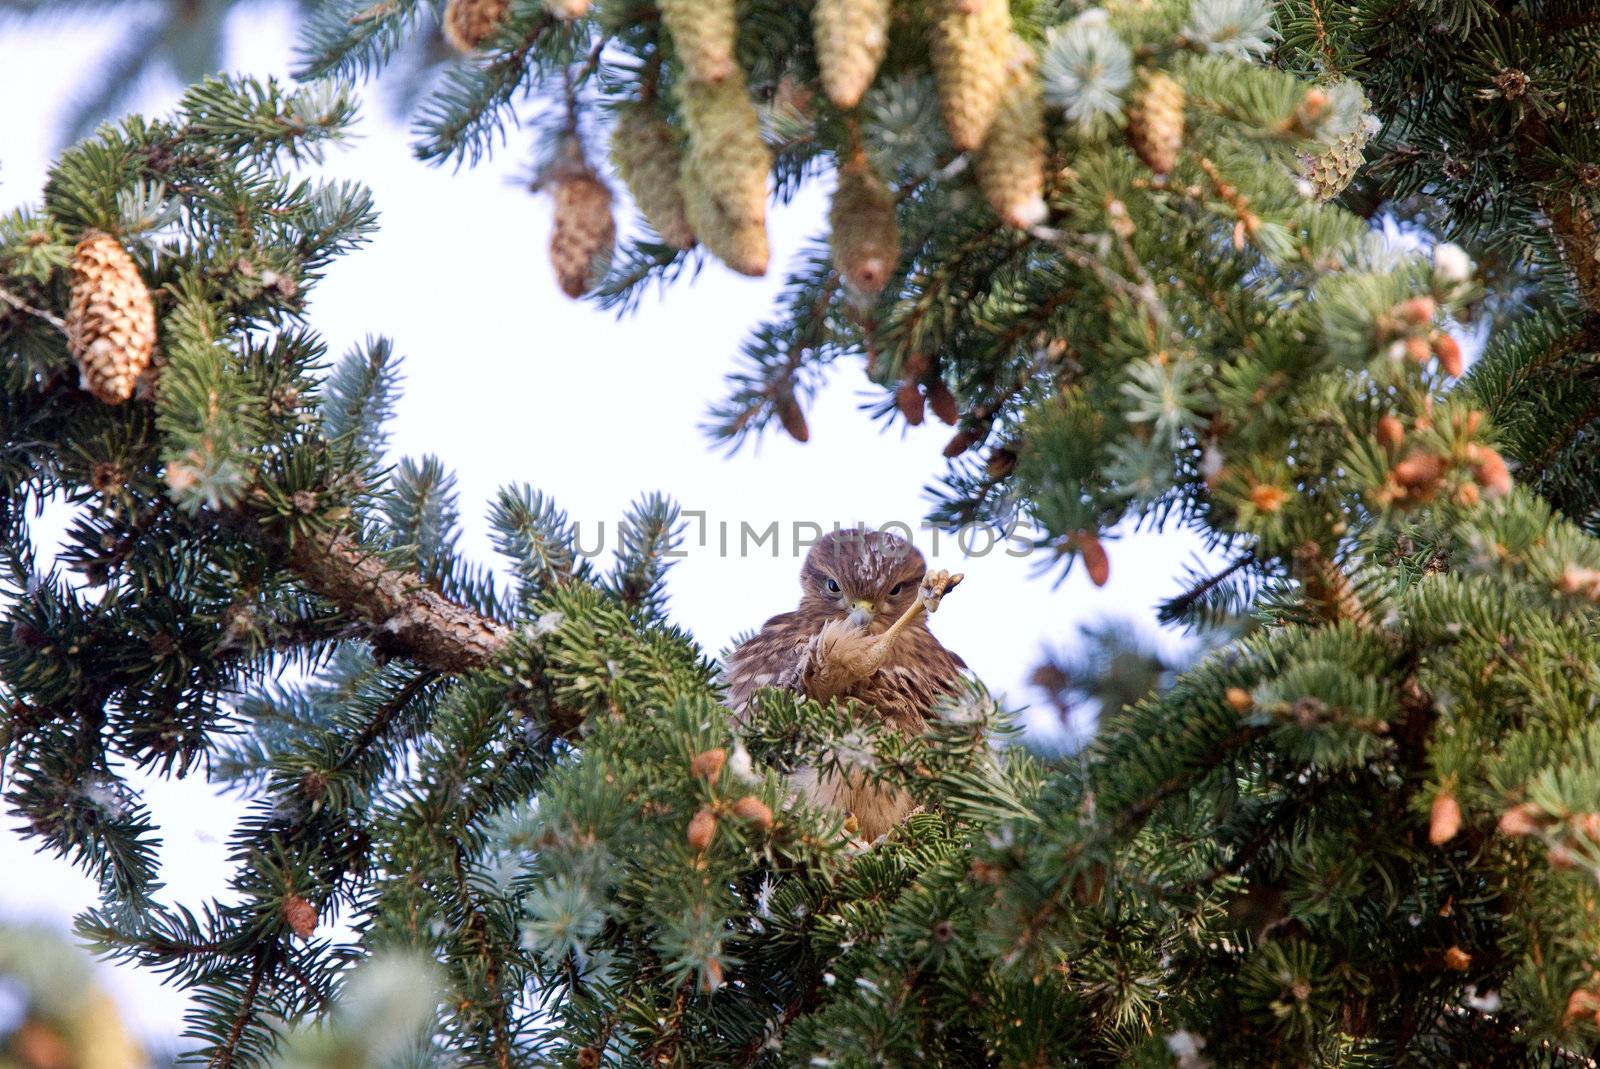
<point>584,230</point>
<point>111,321</point>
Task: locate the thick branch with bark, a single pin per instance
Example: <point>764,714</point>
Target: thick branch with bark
<point>406,616</point>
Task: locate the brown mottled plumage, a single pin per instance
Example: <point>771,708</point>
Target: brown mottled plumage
<point>859,632</point>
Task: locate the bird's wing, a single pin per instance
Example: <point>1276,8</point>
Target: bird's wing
<point>762,660</point>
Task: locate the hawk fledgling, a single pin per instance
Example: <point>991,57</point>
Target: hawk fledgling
<point>861,632</point>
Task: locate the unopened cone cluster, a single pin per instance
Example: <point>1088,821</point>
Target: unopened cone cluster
<point>111,322</point>
<point>851,38</point>
<point>725,172</point>
<point>1155,123</point>
<point>583,232</point>
<point>703,33</point>
<point>723,175</point>
<point>649,159</point>
<point>971,48</point>
<point>1010,163</point>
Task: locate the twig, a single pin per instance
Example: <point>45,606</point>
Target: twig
<point>38,313</point>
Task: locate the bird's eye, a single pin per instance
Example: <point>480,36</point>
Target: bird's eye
<point>895,590</point>
<point>833,586</point>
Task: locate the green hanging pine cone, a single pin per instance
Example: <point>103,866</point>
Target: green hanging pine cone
<point>1011,162</point>
<point>703,33</point>
<point>851,37</point>
<point>648,156</point>
<point>724,178</point>
<point>970,47</point>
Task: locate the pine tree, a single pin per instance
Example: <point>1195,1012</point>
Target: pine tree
<point>1366,833</point>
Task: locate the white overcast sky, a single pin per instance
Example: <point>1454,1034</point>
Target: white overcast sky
<point>507,381</point>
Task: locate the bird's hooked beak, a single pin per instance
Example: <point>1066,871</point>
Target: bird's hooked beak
<point>860,612</point>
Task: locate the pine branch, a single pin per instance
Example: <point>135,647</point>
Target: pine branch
<point>409,618</point>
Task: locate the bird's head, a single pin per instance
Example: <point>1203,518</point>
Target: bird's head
<point>868,577</point>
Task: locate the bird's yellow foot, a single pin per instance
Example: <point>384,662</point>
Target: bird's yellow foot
<point>935,585</point>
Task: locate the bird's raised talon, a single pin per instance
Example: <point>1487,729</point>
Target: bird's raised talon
<point>935,585</point>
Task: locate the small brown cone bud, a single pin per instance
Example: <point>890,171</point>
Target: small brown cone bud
<point>943,402</point>
<point>1419,471</point>
<point>1467,495</point>
<point>567,9</point>
<point>1155,123</point>
<point>724,175</point>
<point>1314,105</point>
<point>793,420</point>
<point>909,400</point>
<point>1457,960</point>
<point>969,50</point>
<point>1268,498</point>
<point>111,321</point>
<point>1418,350</point>
<point>1095,561</point>
<point>702,829</point>
<point>866,235</point>
<point>707,764</point>
<point>648,155</point>
<point>1391,432</point>
<point>711,975</point>
<point>851,37</point>
<point>589,1058</point>
<point>300,915</point>
<point>1582,1003</point>
<point>1445,819</point>
<point>1010,164</point>
<point>1581,581</point>
<point>583,233</point>
<point>1448,352</point>
<point>1520,820</point>
<point>1489,470</point>
<point>1239,700</point>
<point>703,34</point>
<point>1002,462</point>
<point>1587,825</point>
<point>961,441</point>
<point>1418,311</point>
<point>753,810</point>
<point>468,23</point>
